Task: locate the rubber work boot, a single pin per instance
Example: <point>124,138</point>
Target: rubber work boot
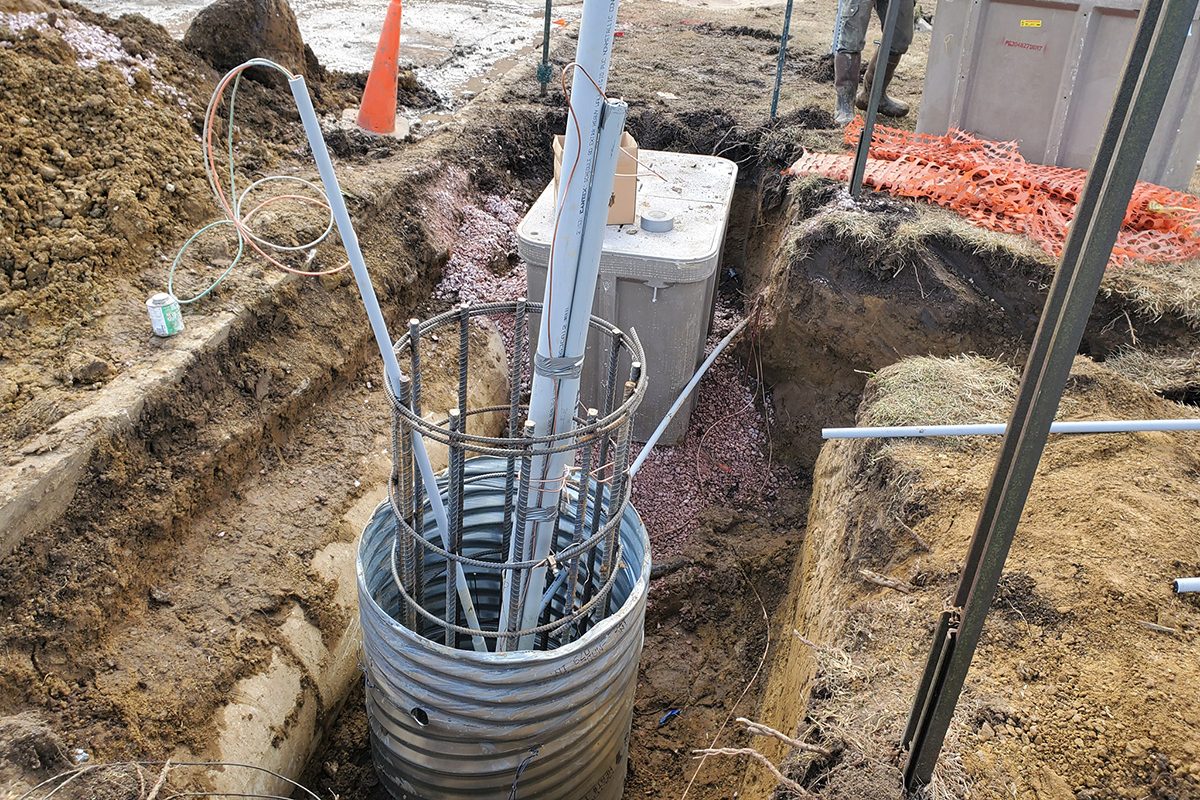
<point>846,67</point>
<point>888,106</point>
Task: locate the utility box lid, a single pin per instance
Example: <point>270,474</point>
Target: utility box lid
<point>696,195</point>
<point>1045,74</point>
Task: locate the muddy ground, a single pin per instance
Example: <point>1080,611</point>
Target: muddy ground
<point>198,528</point>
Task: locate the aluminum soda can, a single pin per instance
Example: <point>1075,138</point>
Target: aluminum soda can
<point>165,315</point>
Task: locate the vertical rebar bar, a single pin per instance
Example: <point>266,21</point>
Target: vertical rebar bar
<point>453,499</point>
<point>610,402</point>
<point>464,349</point>
<point>581,498</point>
<point>402,487</point>
<point>616,492</point>
<point>414,337</point>
<point>543,69</point>
<point>516,369</point>
<point>783,43</point>
<point>517,579</point>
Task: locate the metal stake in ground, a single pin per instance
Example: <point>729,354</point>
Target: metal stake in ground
<point>543,69</point>
<point>864,140</point>
<point>783,43</point>
<point>1119,159</point>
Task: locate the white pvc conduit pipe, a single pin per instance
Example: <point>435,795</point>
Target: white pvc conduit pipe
<point>588,166</point>
<point>1186,585</point>
<point>341,215</point>
<point>998,429</point>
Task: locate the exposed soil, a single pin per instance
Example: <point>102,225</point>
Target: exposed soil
<point>848,288</point>
<point>103,182</point>
<point>191,542</point>
<point>1082,685</point>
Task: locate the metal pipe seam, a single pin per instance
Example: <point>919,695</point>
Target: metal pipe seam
<point>484,713</point>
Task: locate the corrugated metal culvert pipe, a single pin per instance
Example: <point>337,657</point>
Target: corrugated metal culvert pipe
<point>456,709</point>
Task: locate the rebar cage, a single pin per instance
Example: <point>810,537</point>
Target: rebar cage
<point>453,587</point>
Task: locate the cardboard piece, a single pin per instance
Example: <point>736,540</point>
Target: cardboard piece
<point>622,206</point>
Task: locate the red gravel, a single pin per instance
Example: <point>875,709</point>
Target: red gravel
<point>725,457</point>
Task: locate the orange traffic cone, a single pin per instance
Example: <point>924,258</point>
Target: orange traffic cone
<point>377,113</point>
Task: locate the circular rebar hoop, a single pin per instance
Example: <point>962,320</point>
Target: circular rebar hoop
<point>438,565</point>
<point>627,344</point>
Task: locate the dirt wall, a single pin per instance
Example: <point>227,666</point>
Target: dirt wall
<point>1080,688</point>
<point>848,287</point>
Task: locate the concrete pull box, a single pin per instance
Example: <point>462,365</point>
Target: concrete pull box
<point>1045,74</point>
<point>622,206</point>
<point>657,277</point>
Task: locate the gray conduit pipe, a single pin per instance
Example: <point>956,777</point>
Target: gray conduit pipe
<point>998,429</point>
<point>1183,585</point>
<point>337,204</point>
<point>683,396</point>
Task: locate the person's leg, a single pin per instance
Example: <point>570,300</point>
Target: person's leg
<point>901,39</point>
<point>850,34</point>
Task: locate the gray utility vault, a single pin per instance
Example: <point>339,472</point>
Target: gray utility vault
<point>1045,74</point>
<point>657,276</point>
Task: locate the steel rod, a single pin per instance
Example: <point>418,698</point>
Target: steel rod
<point>881,58</point>
<point>616,492</point>
<point>783,43</point>
<point>402,486</point>
<point>516,366</point>
<point>454,494</point>
<point>1073,292</point>
<point>1000,428</point>
<point>581,498</point>
<point>511,615</point>
<point>543,70</point>
<point>414,338</point>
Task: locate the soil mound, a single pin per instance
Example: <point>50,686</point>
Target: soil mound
<point>230,32</point>
<point>98,152</point>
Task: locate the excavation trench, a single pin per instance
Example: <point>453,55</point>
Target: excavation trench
<point>832,308</point>
<point>178,514</point>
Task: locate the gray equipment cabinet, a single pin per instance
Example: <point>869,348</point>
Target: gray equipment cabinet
<point>1045,74</point>
<point>657,277</point>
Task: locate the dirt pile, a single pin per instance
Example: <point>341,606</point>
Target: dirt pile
<point>1081,687</point>
<point>99,145</point>
<point>229,32</point>
<point>98,151</point>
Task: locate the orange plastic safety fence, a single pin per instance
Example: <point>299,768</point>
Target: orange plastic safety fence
<point>990,184</point>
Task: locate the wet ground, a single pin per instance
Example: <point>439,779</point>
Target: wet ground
<point>451,43</point>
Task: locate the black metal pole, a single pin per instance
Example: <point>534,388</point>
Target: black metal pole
<point>783,43</point>
<point>881,57</point>
<point>1140,97</point>
<point>543,70</point>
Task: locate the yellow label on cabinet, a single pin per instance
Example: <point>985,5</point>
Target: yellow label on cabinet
<point>1031,23</point>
